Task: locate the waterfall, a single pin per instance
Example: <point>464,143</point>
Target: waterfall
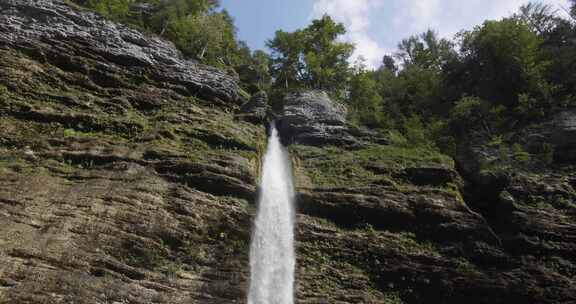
<point>272,258</point>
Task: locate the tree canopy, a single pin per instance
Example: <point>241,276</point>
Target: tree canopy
<point>312,57</point>
<point>425,50</point>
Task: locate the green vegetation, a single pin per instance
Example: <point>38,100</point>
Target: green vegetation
<point>334,167</point>
<point>502,75</point>
<point>311,57</point>
<point>367,101</point>
<point>140,255</point>
<point>392,298</point>
<point>434,91</point>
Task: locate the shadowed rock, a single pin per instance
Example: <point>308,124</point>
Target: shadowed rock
<point>257,110</point>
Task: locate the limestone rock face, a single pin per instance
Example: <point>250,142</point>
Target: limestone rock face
<point>564,135</point>
<point>559,132</point>
<point>311,117</point>
<point>124,176</point>
<point>50,30</point>
<point>257,109</point>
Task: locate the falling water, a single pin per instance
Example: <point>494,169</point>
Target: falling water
<point>272,250</point>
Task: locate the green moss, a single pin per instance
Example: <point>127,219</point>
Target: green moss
<point>60,167</point>
<point>3,90</point>
<point>559,265</point>
<point>171,270</point>
<point>245,95</point>
<point>464,265</point>
<point>334,167</point>
<point>408,243</point>
<point>140,255</point>
<point>79,134</point>
<point>12,163</point>
<point>392,298</point>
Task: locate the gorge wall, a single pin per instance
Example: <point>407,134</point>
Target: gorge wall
<point>129,174</point>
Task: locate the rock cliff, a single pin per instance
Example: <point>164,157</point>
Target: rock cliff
<point>124,177</point>
<point>389,223</point>
<point>128,175</point>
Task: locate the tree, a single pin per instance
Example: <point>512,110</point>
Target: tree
<point>541,18</point>
<point>207,37</point>
<point>425,50</point>
<point>200,31</point>
<point>171,11</point>
<point>502,59</point>
<point>365,103</point>
<point>326,59</point>
<point>255,73</point>
<point>472,114</point>
<point>311,57</point>
<point>415,91</point>
<point>287,58</point>
<point>115,9</point>
<point>388,63</point>
<point>261,63</point>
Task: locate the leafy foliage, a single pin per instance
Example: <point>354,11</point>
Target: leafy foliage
<point>502,74</point>
<point>367,106</point>
<point>425,50</point>
<point>502,59</point>
<point>311,57</point>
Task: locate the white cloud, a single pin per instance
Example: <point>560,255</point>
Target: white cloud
<point>355,14</point>
<point>376,26</point>
<point>450,16</point>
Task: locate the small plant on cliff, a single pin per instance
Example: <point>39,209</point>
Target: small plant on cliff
<point>392,298</point>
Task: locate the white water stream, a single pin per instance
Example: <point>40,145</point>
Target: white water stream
<point>272,258</point>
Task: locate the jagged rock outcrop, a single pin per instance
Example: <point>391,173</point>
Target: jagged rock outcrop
<point>564,136</point>
<point>50,31</point>
<point>556,135</point>
<point>311,117</point>
<point>257,110</point>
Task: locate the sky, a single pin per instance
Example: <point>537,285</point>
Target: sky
<point>374,26</point>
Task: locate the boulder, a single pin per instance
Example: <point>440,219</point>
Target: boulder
<point>312,118</point>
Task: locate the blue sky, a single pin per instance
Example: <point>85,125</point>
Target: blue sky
<point>375,26</point>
